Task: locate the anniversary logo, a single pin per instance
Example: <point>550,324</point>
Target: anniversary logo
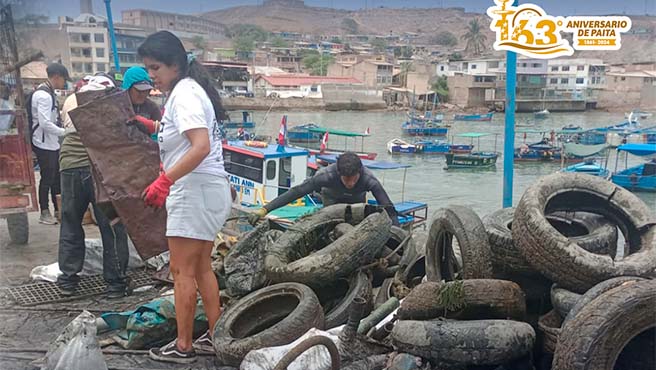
<point>528,30</point>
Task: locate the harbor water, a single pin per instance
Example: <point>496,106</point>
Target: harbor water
<point>427,180</point>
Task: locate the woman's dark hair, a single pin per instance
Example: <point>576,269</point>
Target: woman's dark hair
<point>165,47</point>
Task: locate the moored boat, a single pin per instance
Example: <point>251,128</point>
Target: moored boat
<point>397,146</point>
<point>589,167</point>
<point>641,177</point>
<point>474,117</point>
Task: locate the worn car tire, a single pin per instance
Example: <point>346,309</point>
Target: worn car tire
<point>18,227</point>
<point>549,326</point>
<point>411,267</point>
<point>359,285</point>
<point>244,263</point>
<point>592,232</point>
<point>596,291</point>
<point>563,300</point>
<point>596,337</point>
<point>289,259</point>
<point>563,260</point>
<point>478,342</point>
<point>272,316</point>
<point>480,299</point>
<point>466,227</point>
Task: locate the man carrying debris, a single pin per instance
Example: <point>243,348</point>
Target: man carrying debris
<point>346,181</point>
<point>77,193</point>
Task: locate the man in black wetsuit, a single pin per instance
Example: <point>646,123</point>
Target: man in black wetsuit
<point>346,181</point>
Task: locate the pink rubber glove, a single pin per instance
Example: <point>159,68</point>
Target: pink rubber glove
<point>150,125</point>
<point>155,194</point>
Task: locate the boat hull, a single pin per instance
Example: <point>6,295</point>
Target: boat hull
<point>474,117</point>
<point>472,160</point>
<point>634,178</point>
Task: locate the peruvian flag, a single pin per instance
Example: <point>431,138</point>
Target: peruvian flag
<point>282,133</point>
<point>367,132</point>
<point>324,142</point>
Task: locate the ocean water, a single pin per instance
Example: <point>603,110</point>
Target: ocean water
<point>426,180</point>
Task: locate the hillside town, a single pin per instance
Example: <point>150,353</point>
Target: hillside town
<point>352,69</point>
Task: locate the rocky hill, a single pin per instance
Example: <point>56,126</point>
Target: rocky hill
<point>425,22</point>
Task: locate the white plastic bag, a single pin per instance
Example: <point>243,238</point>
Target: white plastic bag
<point>315,358</point>
<point>77,347</point>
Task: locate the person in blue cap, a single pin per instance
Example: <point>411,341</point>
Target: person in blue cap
<point>138,84</point>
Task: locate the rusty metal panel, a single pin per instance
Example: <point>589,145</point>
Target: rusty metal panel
<point>127,161</point>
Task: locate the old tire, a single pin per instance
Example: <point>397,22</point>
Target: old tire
<point>466,227</point>
<point>479,342</point>
<point>592,232</point>
<point>549,330</point>
<point>478,299</point>
<point>339,259</point>
<point>19,228</point>
<point>412,268</point>
<point>272,316</point>
<point>359,285</point>
<point>597,290</point>
<point>597,336</point>
<point>563,260</point>
<point>563,300</point>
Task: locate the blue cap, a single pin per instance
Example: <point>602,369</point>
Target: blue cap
<point>137,77</point>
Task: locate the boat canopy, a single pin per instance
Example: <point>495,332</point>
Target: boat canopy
<point>582,150</point>
<point>474,134</point>
<point>336,132</point>
<point>638,149</point>
<point>370,164</point>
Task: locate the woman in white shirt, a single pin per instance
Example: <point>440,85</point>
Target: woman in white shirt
<point>194,185</point>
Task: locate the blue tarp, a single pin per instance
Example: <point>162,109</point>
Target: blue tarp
<point>638,149</point>
<point>372,165</point>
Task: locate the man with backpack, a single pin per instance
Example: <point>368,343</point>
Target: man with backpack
<point>45,131</point>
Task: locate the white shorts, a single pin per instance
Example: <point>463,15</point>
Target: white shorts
<point>198,206</point>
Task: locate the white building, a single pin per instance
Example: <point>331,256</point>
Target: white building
<point>87,49</point>
<point>576,74</point>
<point>298,86</point>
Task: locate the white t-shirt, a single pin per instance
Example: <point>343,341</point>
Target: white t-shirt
<point>188,107</point>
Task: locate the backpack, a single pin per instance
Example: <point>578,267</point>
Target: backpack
<point>28,108</point>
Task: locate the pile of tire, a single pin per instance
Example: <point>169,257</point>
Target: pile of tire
<point>461,316</point>
<point>588,285</point>
<point>284,283</point>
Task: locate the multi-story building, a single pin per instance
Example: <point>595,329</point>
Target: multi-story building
<point>626,90</point>
<point>128,39</point>
<point>373,73</point>
<point>577,77</point>
<point>180,24</point>
<point>87,49</point>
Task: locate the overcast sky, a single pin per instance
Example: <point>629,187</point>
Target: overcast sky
<point>54,8</point>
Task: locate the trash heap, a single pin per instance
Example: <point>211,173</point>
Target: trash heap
<point>551,284</point>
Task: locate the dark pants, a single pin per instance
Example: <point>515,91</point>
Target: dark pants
<point>77,194</point>
<point>49,164</point>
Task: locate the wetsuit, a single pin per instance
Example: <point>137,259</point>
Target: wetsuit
<point>333,191</point>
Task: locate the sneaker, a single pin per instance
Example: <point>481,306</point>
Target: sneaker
<point>204,343</point>
<point>171,353</point>
<point>46,218</point>
<point>67,290</point>
<point>116,294</point>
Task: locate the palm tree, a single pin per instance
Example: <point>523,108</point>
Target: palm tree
<point>474,37</point>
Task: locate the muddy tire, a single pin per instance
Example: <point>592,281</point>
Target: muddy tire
<point>563,260</point>
<point>592,232</point>
<point>466,227</point>
<point>359,285</point>
<point>19,228</point>
<point>272,316</point>
<point>480,299</point>
<point>563,300</point>
<point>480,342</point>
<point>549,330</point>
<point>596,291</point>
<point>244,263</point>
<point>597,336</point>
<point>288,259</point>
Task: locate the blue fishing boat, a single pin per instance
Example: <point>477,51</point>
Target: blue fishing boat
<point>474,117</point>
<point>399,146</point>
<point>246,121</point>
<point>641,177</point>
<point>537,152</point>
<point>441,147</point>
<point>589,167</point>
<point>421,128</point>
<point>304,134</point>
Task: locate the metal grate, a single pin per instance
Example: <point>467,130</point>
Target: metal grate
<point>46,292</point>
